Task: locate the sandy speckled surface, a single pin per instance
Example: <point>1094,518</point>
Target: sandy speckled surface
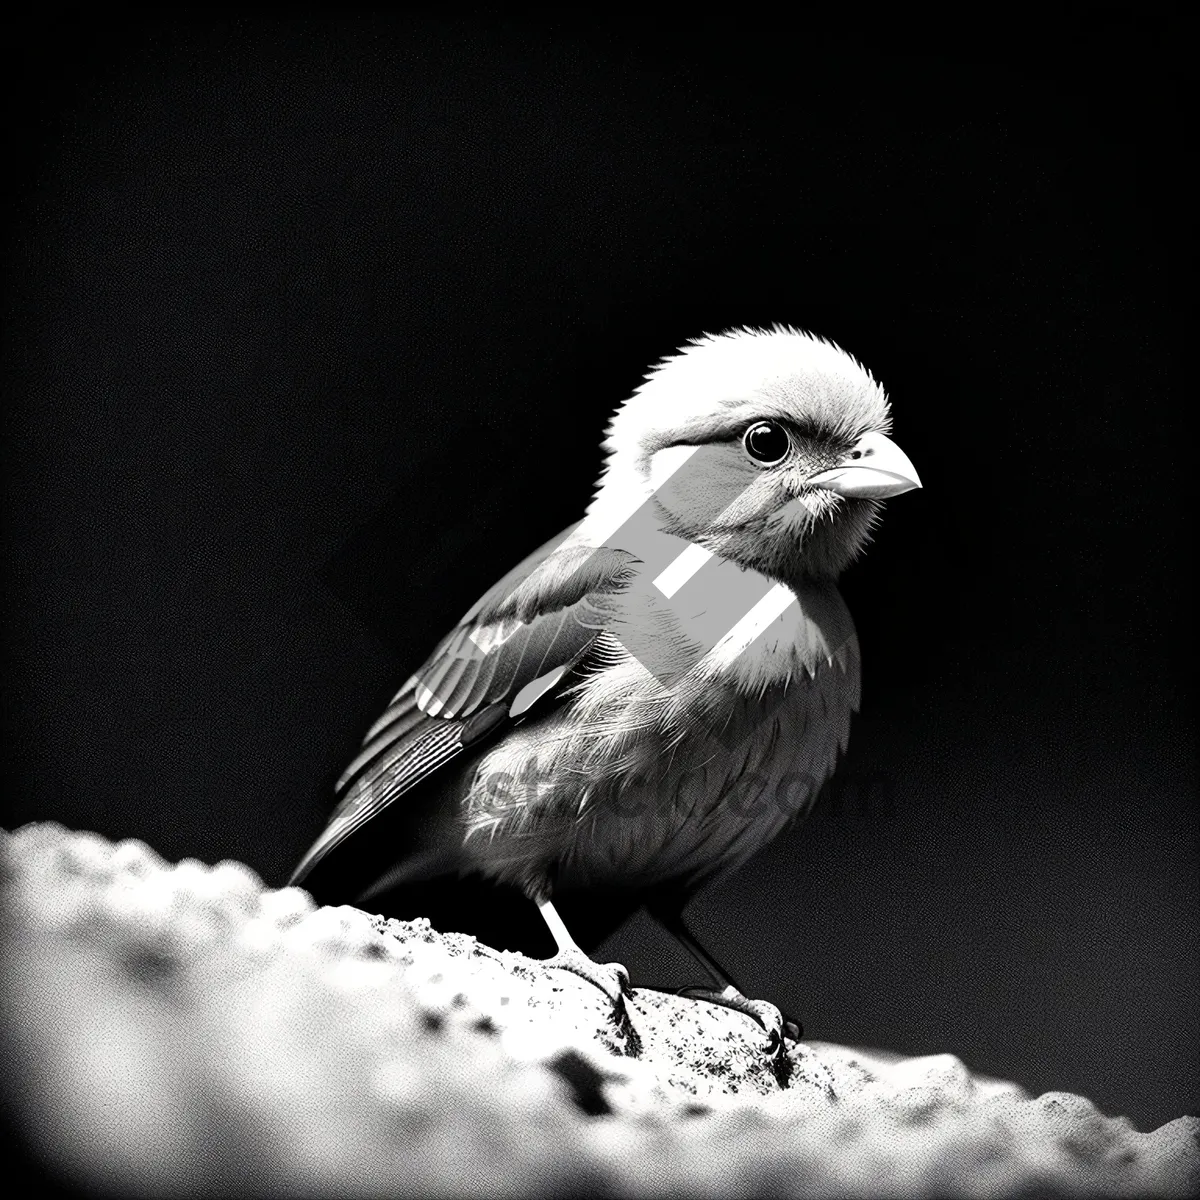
<point>182,1030</point>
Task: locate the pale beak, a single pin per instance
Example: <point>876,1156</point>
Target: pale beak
<point>874,469</point>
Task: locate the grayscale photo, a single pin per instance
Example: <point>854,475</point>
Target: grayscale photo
<point>597,605</point>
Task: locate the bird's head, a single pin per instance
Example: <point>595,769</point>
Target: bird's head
<point>767,447</point>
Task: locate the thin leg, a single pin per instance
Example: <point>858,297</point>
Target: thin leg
<point>558,930</point>
<point>672,921</point>
<point>727,993</point>
<point>611,978</point>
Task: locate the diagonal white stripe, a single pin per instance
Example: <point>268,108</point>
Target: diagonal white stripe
<point>682,569</point>
<point>619,507</point>
<point>770,608</point>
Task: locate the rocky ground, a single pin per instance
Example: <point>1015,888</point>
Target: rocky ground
<point>181,1030</point>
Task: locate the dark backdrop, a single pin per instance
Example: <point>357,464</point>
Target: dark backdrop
<point>311,330</point>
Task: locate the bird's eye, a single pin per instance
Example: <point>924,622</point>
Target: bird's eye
<point>767,443</point>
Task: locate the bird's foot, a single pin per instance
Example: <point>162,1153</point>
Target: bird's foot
<point>611,978</point>
<point>776,1025</point>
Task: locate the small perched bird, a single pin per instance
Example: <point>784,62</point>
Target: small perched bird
<point>647,700</point>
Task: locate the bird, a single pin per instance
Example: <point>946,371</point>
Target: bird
<point>652,696</point>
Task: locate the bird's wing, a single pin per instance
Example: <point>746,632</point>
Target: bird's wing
<point>517,643</point>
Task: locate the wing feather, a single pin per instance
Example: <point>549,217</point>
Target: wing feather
<point>390,734</point>
<point>543,615</point>
<point>424,750</point>
<point>404,701</point>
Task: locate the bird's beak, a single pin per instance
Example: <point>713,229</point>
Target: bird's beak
<point>874,469</point>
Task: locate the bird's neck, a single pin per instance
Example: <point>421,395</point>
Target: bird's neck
<point>728,608</point>
<point>625,515</point>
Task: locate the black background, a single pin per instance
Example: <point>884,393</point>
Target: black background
<point>312,327</point>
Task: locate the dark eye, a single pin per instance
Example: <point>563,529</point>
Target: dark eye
<point>767,442</point>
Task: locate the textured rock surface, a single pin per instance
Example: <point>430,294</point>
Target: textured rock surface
<point>182,1030</point>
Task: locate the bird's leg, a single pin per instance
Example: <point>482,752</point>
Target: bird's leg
<point>727,994</point>
<point>611,978</point>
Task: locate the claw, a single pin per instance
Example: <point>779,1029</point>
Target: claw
<point>773,1022</point>
<point>611,978</point>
